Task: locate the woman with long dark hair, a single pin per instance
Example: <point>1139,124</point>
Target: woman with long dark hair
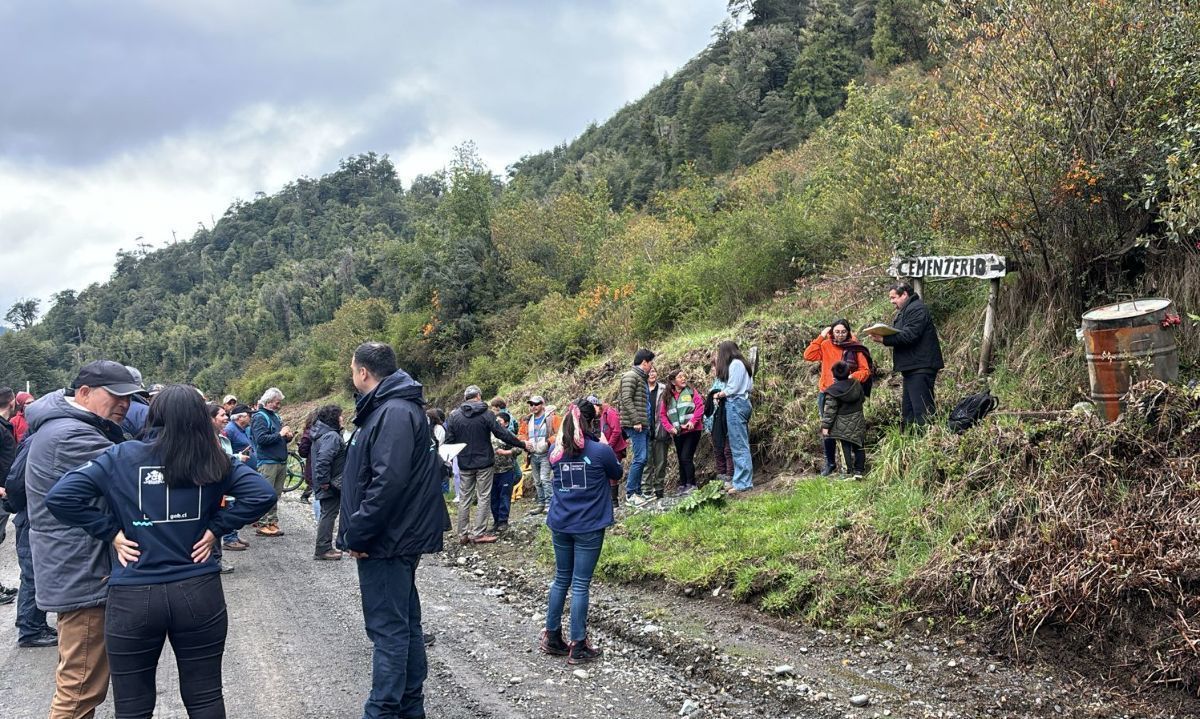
<point>682,416</point>
<point>735,373</point>
<point>836,343</point>
<point>580,511</point>
<point>164,513</point>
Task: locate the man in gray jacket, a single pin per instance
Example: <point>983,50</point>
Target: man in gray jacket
<point>69,428</point>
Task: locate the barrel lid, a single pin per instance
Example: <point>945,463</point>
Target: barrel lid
<point>1125,310</point>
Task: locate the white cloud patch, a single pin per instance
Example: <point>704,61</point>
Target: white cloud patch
<point>178,110</point>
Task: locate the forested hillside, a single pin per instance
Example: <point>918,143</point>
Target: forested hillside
<point>1061,134</point>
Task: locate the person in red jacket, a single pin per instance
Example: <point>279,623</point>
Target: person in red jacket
<point>608,421</point>
<point>836,343</point>
<point>19,425</point>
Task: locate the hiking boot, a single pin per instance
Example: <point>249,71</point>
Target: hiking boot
<point>500,527</point>
<point>828,469</point>
<point>552,643</point>
<point>464,539</point>
<point>582,652</point>
<point>45,639</point>
<point>332,555</point>
<point>268,530</point>
<point>484,539</point>
<point>238,546</point>
<point>658,494</point>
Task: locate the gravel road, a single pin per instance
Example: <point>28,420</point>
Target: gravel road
<point>297,649</point>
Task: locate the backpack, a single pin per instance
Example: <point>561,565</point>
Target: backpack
<point>849,357</point>
<point>970,409</point>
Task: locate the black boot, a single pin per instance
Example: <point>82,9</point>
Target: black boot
<point>552,643</point>
<point>829,444</point>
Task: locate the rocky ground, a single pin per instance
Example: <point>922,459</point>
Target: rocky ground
<point>296,649</point>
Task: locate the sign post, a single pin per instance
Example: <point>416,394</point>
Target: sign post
<point>977,267</point>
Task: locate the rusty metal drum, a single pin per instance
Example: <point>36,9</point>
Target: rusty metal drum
<point>1126,342</point>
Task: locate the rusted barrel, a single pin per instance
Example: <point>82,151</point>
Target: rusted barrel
<point>1128,341</point>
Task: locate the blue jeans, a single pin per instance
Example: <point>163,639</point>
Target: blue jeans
<point>392,614</point>
<point>639,443</point>
<point>31,621</point>
<point>820,404</point>
<point>502,485</point>
<point>737,421</point>
<point>575,557</point>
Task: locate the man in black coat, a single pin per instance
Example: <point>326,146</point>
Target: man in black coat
<point>916,353</point>
<point>474,425</point>
<point>8,452</point>
<point>392,513</point>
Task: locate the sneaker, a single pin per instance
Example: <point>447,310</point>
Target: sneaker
<point>537,508</point>
<point>636,500</point>
<point>552,643</point>
<point>45,639</point>
<point>8,598</point>
<point>332,555</point>
<point>582,652</point>
<point>8,591</point>
<point>238,546</point>
<point>226,568</point>
<point>858,476</point>
<point>484,539</point>
<point>828,469</point>
<point>658,494</point>
<point>428,638</point>
<point>500,527</point>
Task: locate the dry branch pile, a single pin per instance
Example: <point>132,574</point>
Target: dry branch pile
<point>1096,535</point>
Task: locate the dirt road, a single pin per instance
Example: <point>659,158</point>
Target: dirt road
<point>297,649</point>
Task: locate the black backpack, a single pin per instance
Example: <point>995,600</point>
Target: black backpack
<point>970,409</point>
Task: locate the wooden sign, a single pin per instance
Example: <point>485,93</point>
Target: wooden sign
<point>980,267</point>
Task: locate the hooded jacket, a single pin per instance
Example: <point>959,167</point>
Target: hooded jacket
<point>843,415</point>
<point>829,353</point>
<point>475,425</point>
<point>328,460</point>
<point>8,449</point>
<point>71,566</point>
<point>392,503</point>
<point>165,521</point>
<point>915,344</point>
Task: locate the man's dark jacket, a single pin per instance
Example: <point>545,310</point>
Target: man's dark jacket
<point>915,345</point>
<point>269,445</point>
<point>474,424</point>
<point>392,503</point>
<point>327,457</point>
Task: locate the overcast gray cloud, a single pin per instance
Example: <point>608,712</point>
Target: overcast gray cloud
<point>128,119</point>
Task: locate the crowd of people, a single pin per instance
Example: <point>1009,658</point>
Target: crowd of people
<point>180,477</point>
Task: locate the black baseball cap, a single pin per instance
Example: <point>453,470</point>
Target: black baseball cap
<point>112,376</point>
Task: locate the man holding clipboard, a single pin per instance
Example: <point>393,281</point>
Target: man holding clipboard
<point>916,352</point>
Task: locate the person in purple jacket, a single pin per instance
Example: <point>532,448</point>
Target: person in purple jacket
<point>165,510</point>
<point>580,511</point>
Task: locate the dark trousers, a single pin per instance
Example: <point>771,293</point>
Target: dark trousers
<point>191,613</point>
<point>392,614</point>
<point>502,487</point>
<point>916,404</point>
<point>855,456</point>
<point>724,460</point>
<point>331,508</point>
<point>31,621</point>
<point>685,451</point>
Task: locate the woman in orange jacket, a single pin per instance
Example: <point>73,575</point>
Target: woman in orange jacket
<point>836,343</point>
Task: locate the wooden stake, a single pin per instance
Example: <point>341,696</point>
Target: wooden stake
<point>989,327</point>
<point>919,287</point>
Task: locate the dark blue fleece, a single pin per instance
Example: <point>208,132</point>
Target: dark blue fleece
<point>166,522</point>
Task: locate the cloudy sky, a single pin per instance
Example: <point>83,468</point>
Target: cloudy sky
<point>124,119</point>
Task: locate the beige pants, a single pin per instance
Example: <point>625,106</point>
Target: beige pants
<point>476,487</point>
<point>81,681</point>
<point>276,474</point>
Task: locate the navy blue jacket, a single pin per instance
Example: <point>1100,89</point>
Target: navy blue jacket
<point>269,445</point>
<point>392,503</point>
<point>135,417</point>
<point>915,345</point>
<point>580,499</point>
<point>166,522</point>
<point>239,440</point>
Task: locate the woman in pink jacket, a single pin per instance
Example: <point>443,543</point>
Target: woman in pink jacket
<point>682,415</point>
<point>608,420</point>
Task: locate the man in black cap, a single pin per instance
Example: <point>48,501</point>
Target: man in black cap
<point>67,429</point>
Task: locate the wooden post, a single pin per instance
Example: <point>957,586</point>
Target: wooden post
<point>989,327</point>
<point>918,287</point>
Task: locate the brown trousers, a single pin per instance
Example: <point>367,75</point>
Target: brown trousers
<point>81,681</point>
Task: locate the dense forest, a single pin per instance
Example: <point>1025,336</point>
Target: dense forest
<point>1062,134</point>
